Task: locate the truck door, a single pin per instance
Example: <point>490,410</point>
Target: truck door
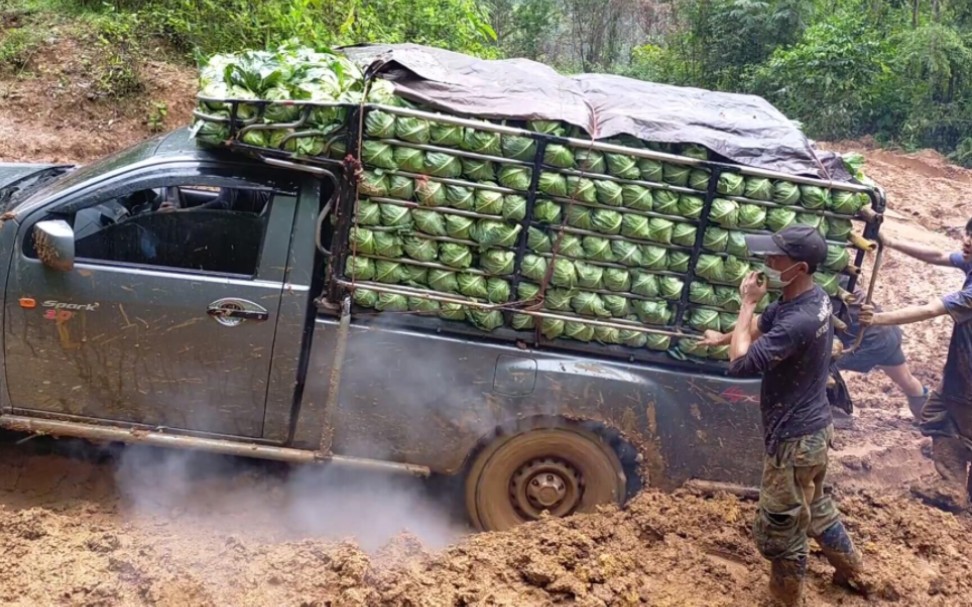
<point>168,317</point>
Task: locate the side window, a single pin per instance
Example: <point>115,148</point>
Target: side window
<point>200,228</point>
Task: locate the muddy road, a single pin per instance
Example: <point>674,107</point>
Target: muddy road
<point>111,526</point>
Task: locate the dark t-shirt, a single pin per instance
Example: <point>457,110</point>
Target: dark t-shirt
<point>793,354</point>
<point>957,376</point>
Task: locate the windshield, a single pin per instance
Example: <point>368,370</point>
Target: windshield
<point>85,172</point>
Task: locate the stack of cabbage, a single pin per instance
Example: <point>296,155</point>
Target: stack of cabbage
<point>444,208</point>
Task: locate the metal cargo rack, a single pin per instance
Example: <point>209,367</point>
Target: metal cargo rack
<point>344,144</point>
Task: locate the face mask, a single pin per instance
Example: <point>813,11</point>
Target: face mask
<point>775,277</point>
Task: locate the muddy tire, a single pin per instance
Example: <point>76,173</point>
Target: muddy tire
<point>559,470</point>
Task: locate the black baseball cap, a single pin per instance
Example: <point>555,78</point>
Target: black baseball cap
<point>799,243</point>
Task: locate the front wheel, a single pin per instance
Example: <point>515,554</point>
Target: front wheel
<point>559,470</point>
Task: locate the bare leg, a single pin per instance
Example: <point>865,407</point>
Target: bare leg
<point>906,382</point>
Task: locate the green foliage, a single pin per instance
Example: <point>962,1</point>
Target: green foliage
<point>17,46</point>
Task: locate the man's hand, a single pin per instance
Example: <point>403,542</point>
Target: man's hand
<point>886,240</point>
<point>753,288</point>
<point>868,317</point>
<point>713,338</point>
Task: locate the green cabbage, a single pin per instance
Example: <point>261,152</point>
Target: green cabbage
<point>514,207</point>
<point>676,174</point>
<point>589,304</point>
<point>607,221</point>
<point>558,300</point>
<point>622,166</point>
<point>658,342</point>
<point>496,261</point>
<point>552,184</point>
<point>365,298</point>
<point>597,249</point>
<point>666,202</point>
<point>460,197</point>
<point>654,258</point>
<point>522,322</point>
<point>443,281</point>
<point>538,241</point>
<point>590,161</point>
<point>725,212</point>
<point>551,328</point>
<point>548,127</point>
<point>430,193</point>
<point>440,164</point>
<point>373,183</point>
<point>644,284</point>
<point>589,276</point>
<point>413,130</point>
<point>839,229</point>
<point>559,156</point>
<point>699,180</point>
<point>830,283</point>
<point>390,272</point>
<point>486,143</point>
<point>759,188</point>
<point>362,241</point>
<point>429,222</point>
<point>812,220</point>
<point>421,249</point>
<point>731,184</point>
<point>719,352</point>
<point>359,268</point>
<point>660,230</point>
<point>609,192</point>
<point>582,189</point>
<point>838,258</point>
<point>454,255</point>
<point>564,273</point>
<point>627,253</point>
<point>415,275</point>
<point>534,267</point>
<point>367,214</point>
<point>716,240</point>
<point>616,305</point>
<point>548,211</point>
<point>737,244</point>
<point>409,159</point>
<point>485,320</point>
<point>651,170</point>
<point>702,293</point>
<point>472,285</point>
<point>636,197</point>
<point>678,261</point>
<point>388,245</point>
<point>452,311</point>
<point>389,302</point>
<point>516,177</point>
<point>691,347</point>
<point>693,150</point>
<point>670,287</point>
<point>423,305</point>
<point>652,312</point>
<point>690,206</point>
<point>813,197</point>
<point>684,234</point>
<point>578,331</point>
<point>527,291</point>
<point>570,245</point>
<point>752,217</point>
<point>702,319</point>
<point>735,269</point>
<point>633,338</point>
<point>785,192</point>
<point>489,233</point>
<point>607,335</point>
<point>728,298</point>
<point>378,154</point>
<point>380,125</point>
<point>777,219</point>
<point>457,226</point>
<point>711,267</point>
<point>497,290</point>
<point>478,170</point>
<point>617,280</point>
<point>519,148</point>
<point>446,135</point>
<point>401,187</point>
<point>847,203</point>
<point>395,216</point>
<point>488,202</point>
<point>580,217</point>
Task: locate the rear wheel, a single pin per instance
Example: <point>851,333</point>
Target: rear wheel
<point>558,470</point>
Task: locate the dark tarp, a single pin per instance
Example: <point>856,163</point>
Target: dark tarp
<point>743,128</point>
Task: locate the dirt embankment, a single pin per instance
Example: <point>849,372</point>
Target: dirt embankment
<point>142,528</point>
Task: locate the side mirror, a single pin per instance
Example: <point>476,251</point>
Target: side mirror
<point>54,243</point>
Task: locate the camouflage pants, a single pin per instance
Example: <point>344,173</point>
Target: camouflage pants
<point>792,503</point>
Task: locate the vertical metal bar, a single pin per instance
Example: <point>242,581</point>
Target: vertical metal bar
<point>343,211</point>
<point>334,380</point>
<point>521,245</point>
<point>702,226</point>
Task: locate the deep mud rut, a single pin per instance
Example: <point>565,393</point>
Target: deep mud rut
<point>86,526</point>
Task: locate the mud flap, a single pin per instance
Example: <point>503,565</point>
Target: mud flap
<point>837,393</point>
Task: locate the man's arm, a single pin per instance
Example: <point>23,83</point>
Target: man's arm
<point>715,338</point>
<point>904,316</point>
<point>919,252</point>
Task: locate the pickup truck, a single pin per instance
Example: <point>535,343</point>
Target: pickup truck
<point>177,296</point>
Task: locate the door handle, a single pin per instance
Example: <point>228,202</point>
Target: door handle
<point>232,311</point>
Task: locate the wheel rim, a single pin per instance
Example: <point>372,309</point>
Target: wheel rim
<point>550,484</point>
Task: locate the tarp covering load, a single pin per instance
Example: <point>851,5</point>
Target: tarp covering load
<point>526,226</point>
